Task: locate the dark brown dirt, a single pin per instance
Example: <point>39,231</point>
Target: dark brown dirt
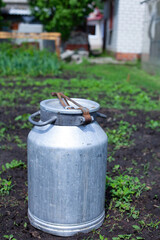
<point>146,150</point>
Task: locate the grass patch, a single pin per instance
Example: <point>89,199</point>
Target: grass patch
<point>123,188</point>
<point>120,137</point>
<point>26,61</point>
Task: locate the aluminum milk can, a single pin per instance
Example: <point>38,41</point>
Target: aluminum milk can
<point>67,156</point>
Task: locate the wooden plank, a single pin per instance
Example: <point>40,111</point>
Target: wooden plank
<point>44,35</point>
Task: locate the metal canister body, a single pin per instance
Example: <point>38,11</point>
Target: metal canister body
<point>66,178</point>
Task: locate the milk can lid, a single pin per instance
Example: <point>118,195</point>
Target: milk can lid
<point>54,105</point>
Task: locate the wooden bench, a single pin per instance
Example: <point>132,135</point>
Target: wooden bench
<point>44,35</point>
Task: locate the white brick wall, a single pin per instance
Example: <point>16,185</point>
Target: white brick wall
<point>128,27</point>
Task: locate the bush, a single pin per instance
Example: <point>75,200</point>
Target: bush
<point>25,60</point>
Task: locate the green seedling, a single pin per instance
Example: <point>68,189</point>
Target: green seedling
<point>131,113</point>
<point>19,142</point>
<point>123,188</point>
<point>120,137</point>
<point>124,236</point>
<point>9,237</point>
<point>13,164</point>
<point>25,225</point>
<point>24,121</point>
<point>136,227</point>
<point>153,124</point>
<point>5,186</point>
<point>134,213</point>
<point>102,237</point>
<point>154,224</point>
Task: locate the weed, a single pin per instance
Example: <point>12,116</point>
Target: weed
<point>24,121</point>
<point>102,237</point>
<point>134,213</point>
<point>124,236</point>
<point>20,61</point>
<point>19,142</point>
<point>134,163</point>
<point>123,189</point>
<point>116,168</point>
<point>111,159</point>
<point>146,168</point>
<point>9,237</point>
<point>3,130</point>
<point>25,225</point>
<point>136,227</point>
<point>5,186</point>
<point>120,137</point>
<point>5,147</point>
<point>131,113</point>
<point>154,224</point>
<point>13,164</point>
<point>153,124</point>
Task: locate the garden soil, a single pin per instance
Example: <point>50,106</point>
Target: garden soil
<point>143,157</point>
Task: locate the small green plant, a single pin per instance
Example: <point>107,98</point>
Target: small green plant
<point>24,123</point>
<point>5,186</point>
<point>123,188</point>
<point>19,142</point>
<point>3,130</point>
<point>154,224</point>
<point>136,227</point>
<point>13,164</point>
<point>9,237</point>
<point>134,213</point>
<point>120,137</point>
<point>101,237</point>
<point>124,236</point>
<point>131,113</point>
<point>153,124</point>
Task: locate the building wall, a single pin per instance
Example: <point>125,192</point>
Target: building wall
<point>151,40</point>
<point>127,29</point>
<point>130,26</point>
<point>112,46</point>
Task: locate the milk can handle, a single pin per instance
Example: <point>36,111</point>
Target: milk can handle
<point>53,119</point>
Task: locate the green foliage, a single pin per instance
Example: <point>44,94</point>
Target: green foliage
<point>61,16</point>
<point>9,237</point>
<point>124,187</point>
<point>26,61</point>
<point>153,124</point>
<point>19,142</point>
<point>105,85</point>
<point>13,164</point>
<point>5,186</point>
<point>124,236</point>
<point>101,237</point>
<point>2,130</point>
<point>1,5</point>
<point>120,137</point>
<point>136,227</point>
<point>23,121</point>
<point>153,224</point>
